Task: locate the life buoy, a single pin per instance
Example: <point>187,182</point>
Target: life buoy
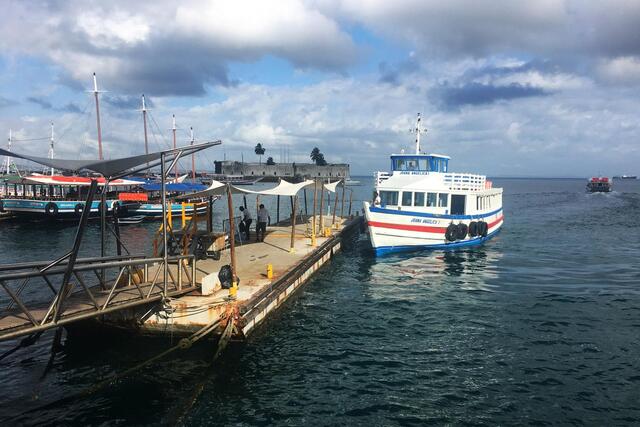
<point>483,229</point>
<point>462,231</point>
<point>79,208</point>
<point>473,229</point>
<point>452,233</point>
<point>51,209</point>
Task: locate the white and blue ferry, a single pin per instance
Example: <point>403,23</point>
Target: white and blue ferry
<point>420,204</point>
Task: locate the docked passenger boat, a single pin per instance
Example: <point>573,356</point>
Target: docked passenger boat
<point>599,185</point>
<point>58,197</point>
<point>420,204</point>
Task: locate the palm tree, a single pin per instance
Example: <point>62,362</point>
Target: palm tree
<point>260,151</point>
<point>315,154</point>
<point>270,161</point>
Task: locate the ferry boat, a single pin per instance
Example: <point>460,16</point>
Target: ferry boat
<point>420,204</point>
<point>599,185</point>
<point>626,177</point>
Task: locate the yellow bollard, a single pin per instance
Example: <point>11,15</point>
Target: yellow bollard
<point>269,271</point>
<point>327,232</point>
<point>233,290</point>
<point>314,243</point>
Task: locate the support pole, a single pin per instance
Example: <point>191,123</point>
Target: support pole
<point>306,211</point>
<point>335,208</point>
<point>321,222</point>
<point>163,196</point>
<point>350,200</point>
<point>103,225</point>
<point>294,201</point>
<point>278,209</point>
<point>144,121</point>
<point>232,245</point>
<point>313,221</point>
<point>342,202</point>
<point>173,128</point>
<point>210,215</point>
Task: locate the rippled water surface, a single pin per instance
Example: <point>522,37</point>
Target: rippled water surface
<point>539,326</point>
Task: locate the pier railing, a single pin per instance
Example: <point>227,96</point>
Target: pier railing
<point>36,296</point>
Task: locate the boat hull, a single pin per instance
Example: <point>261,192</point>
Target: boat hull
<point>154,210</point>
<point>393,230</point>
<point>34,209</point>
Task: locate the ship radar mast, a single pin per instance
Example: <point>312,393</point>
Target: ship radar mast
<point>418,130</point>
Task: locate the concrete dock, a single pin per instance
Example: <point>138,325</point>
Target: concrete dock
<point>257,294</point>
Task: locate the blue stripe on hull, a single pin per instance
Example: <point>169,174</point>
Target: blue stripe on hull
<point>383,250</point>
<point>430,215</point>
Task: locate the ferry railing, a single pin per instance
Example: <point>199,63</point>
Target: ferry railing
<point>381,176</point>
<point>464,181</point>
<point>130,281</point>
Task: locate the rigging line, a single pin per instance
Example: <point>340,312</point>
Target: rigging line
<point>66,130</point>
<point>30,139</point>
<point>166,143</point>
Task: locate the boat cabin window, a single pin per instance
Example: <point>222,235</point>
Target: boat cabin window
<point>389,198</point>
<point>431,200</point>
<point>418,199</point>
<point>406,198</point>
<point>442,200</point>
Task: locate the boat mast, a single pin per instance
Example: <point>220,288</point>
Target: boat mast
<point>144,122</point>
<point>95,93</point>
<point>173,128</point>
<point>9,158</point>
<point>193,160</point>
<point>51,147</point>
<point>418,130</point>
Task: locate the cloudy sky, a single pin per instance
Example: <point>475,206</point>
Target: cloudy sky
<point>535,88</point>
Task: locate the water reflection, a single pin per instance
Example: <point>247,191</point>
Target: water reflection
<point>473,269</point>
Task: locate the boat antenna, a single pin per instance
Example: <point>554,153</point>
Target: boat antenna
<point>173,129</point>
<point>9,158</point>
<point>193,160</point>
<point>418,130</point>
<point>144,122</point>
<point>95,93</point>
<point>51,147</point>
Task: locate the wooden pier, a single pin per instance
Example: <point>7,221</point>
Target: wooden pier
<point>257,294</point>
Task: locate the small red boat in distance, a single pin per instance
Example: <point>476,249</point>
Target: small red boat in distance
<point>599,185</point>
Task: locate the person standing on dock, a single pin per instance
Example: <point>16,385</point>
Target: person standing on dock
<point>246,222</point>
<point>263,219</point>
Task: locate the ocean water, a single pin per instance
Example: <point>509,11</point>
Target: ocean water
<point>540,326</point>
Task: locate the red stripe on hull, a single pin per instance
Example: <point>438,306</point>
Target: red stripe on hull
<point>421,228</point>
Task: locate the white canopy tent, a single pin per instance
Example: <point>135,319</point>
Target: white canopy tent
<point>217,188</point>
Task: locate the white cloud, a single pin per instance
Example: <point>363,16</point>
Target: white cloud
<point>622,70</point>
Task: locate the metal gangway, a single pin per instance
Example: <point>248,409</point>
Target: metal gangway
<point>39,295</point>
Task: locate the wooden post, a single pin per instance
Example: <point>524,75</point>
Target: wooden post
<point>342,202</point>
<point>232,245</point>
<point>313,221</point>
<point>306,212</point>
<point>335,208</point>
<point>321,222</point>
<point>350,200</point>
<point>244,199</point>
<point>278,210</point>
<point>294,201</point>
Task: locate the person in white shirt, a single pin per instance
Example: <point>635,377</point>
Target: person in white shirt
<point>246,222</point>
<point>377,201</point>
<point>263,219</point>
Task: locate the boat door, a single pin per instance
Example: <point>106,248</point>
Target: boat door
<point>458,204</point>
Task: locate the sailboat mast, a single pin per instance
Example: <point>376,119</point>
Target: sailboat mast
<point>173,128</point>
<point>51,147</point>
<point>144,121</point>
<point>95,93</point>
<point>193,160</point>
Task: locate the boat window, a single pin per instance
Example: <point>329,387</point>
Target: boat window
<point>400,165</point>
<point>424,164</point>
<point>431,200</point>
<point>412,164</point>
<point>442,200</point>
<point>389,198</point>
<point>445,165</point>
<point>406,198</point>
<point>418,199</point>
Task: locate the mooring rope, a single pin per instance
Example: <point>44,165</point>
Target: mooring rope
<point>183,344</point>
